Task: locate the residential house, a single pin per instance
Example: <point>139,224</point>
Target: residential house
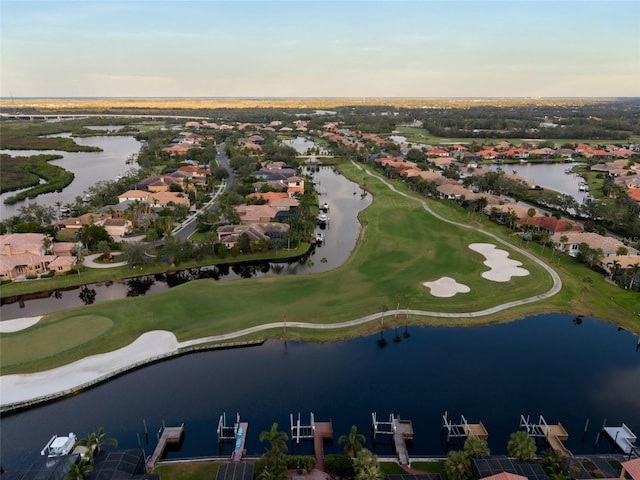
<point>454,192</point>
<point>76,223</point>
<point>118,227</point>
<point>569,243</point>
<point>295,186</point>
<point>229,235</point>
<point>256,213</point>
<point>502,210</point>
<point>549,224</point>
<point>62,265</point>
<point>23,254</point>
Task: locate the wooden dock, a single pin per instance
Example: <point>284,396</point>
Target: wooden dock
<point>459,432</point>
<point>402,431</point>
<point>239,450</point>
<point>476,430</point>
<point>169,435</point>
<point>556,434</point>
<point>322,431</point>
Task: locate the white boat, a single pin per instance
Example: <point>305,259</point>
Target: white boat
<point>319,238</point>
<point>58,446</point>
<point>324,207</point>
<point>323,219</point>
<point>582,187</point>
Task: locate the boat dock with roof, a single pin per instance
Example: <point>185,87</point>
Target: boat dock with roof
<point>401,430</point>
<point>554,435</point>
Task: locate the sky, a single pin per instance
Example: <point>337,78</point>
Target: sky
<point>319,48</point>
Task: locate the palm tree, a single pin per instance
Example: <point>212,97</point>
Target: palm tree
<point>366,466</point>
<point>78,471</point>
<point>353,442</point>
<point>458,466</point>
<point>635,271</point>
<point>277,440</point>
<point>521,446</point>
<point>476,447</point>
<point>95,441</point>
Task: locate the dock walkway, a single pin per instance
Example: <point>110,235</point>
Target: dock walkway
<point>402,431</point>
<point>169,435</point>
<point>239,450</point>
<point>322,431</point>
<point>556,434</point>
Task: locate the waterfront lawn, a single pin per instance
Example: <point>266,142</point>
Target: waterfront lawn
<point>401,246</point>
<point>205,470</point>
<point>431,467</point>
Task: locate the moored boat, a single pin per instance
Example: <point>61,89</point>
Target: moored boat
<point>58,446</point>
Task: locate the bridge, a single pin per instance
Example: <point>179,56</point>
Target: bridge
<point>75,116</point>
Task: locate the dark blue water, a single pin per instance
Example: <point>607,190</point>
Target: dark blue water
<point>543,364</point>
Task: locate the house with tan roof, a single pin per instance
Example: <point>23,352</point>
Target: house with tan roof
<point>569,243</point>
<point>23,254</point>
<point>133,195</point>
<point>118,227</point>
<point>544,152</point>
<point>62,265</point>
<point>76,223</point>
<point>454,192</point>
<point>295,185</point>
<point>502,210</point>
<point>256,213</point>
<point>165,198</point>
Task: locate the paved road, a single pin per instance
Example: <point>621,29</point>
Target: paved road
<point>186,228</point>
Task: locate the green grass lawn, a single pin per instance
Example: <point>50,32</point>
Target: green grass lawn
<point>401,246</point>
<point>205,470</point>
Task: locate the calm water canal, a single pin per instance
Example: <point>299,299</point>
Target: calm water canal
<point>340,238</point>
<point>545,364</point>
<point>88,168</point>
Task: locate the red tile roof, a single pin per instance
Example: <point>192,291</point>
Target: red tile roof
<point>632,467</point>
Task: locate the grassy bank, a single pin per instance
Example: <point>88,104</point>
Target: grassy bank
<point>401,246</point>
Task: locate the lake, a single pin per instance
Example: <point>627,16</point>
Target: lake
<point>548,365</point>
<point>548,175</point>
<point>88,168</point>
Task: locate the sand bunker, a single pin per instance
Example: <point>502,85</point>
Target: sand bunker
<point>502,267</point>
<point>446,287</point>
<point>8,326</point>
<point>23,387</point>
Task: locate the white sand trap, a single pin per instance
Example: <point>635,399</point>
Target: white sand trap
<point>8,326</point>
<point>446,287</point>
<point>23,387</point>
<point>502,267</point>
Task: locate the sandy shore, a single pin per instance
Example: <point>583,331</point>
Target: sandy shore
<point>25,387</point>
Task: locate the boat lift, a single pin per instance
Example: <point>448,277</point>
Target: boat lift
<point>457,432</point>
<point>300,431</point>
<point>227,432</point>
